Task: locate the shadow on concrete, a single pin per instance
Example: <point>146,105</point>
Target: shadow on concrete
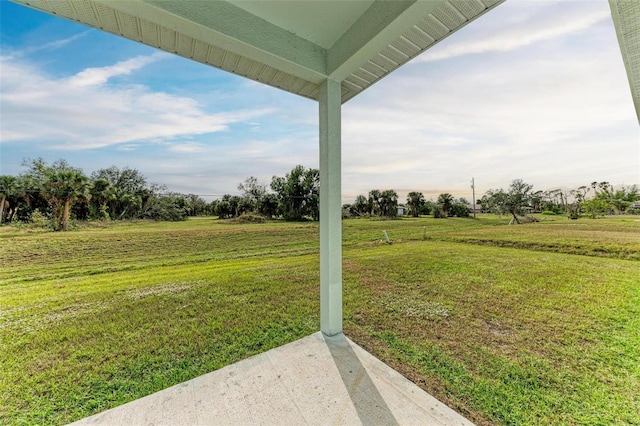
<point>369,404</point>
<point>315,381</point>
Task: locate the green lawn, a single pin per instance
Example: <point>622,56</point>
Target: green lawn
<point>528,324</point>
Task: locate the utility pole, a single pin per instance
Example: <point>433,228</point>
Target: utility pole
<point>473,187</point>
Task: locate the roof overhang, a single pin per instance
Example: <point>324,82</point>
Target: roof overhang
<point>626,18</point>
<point>292,45</point>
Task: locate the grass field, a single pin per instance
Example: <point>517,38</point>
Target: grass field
<point>529,324</point>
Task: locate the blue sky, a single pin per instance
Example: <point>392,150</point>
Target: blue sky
<point>532,90</point>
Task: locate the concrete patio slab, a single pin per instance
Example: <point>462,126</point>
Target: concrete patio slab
<point>317,380</point>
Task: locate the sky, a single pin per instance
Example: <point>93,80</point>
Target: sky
<point>533,90</point>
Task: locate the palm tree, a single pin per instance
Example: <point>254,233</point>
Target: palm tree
<point>389,203</point>
<point>63,187</point>
<point>131,204</point>
<point>361,205</point>
<point>415,202</point>
<point>374,202</point>
<point>445,201</point>
<point>102,193</point>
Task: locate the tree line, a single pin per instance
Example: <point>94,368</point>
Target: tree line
<point>594,200</point>
<point>55,194</point>
<point>293,197</point>
<point>385,204</point>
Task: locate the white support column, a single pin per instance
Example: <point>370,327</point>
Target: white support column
<point>330,209</point>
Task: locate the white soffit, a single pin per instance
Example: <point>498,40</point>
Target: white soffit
<point>291,45</point>
<point>313,20</point>
<point>626,18</point>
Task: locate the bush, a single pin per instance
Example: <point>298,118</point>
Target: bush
<point>427,208</point>
<point>438,212</point>
<point>165,208</point>
<point>459,210</point>
<point>348,211</point>
<point>39,220</point>
<point>548,213</point>
<point>249,218</point>
<point>104,214</point>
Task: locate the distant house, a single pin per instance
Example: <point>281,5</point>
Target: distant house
<point>402,210</point>
<point>474,209</point>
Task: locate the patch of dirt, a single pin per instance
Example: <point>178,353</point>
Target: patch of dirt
<point>414,307</point>
<point>170,288</point>
<point>498,330</point>
<point>39,320</point>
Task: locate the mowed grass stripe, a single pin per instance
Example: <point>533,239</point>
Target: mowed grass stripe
<point>62,294</point>
<point>45,256</point>
<point>620,242</point>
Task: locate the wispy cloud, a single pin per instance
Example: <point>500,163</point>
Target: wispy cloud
<point>99,76</point>
<point>57,44</point>
<point>8,53</point>
<point>187,147</point>
<point>513,32</point>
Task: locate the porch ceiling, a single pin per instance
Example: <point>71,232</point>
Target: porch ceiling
<point>626,18</point>
<point>292,45</point>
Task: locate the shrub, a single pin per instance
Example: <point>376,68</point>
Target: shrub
<point>39,220</point>
<point>427,208</point>
<point>165,208</point>
<point>438,212</point>
<point>549,213</point>
<point>249,218</point>
<point>459,210</point>
<point>104,214</point>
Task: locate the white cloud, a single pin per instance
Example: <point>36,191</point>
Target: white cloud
<point>554,110</point>
<point>52,45</point>
<point>552,115</point>
<point>83,111</point>
<point>57,44</point>
<point>216,170</point>
<point>99,76</point>
<point>514,31</point>
<point>187,147</point>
